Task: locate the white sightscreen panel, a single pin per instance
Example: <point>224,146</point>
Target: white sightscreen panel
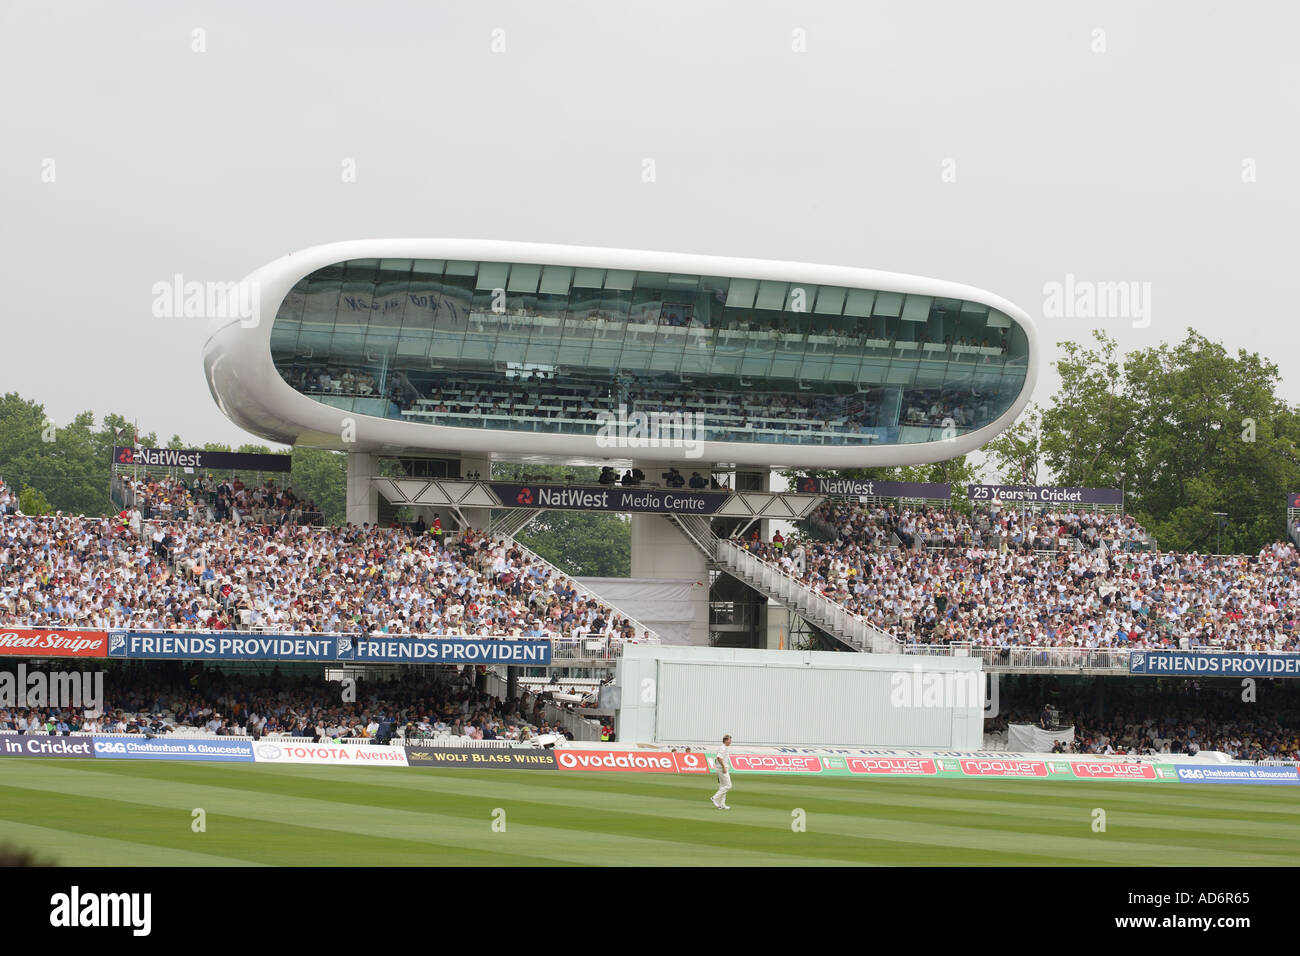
<point>791,706</point>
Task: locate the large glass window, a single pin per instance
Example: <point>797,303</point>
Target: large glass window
<point>550,348</point>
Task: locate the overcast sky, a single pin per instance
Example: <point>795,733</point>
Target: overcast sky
<point>1004,145</point>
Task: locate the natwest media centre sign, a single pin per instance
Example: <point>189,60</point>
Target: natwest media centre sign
<point>19,642</point>
<point>613,498</point>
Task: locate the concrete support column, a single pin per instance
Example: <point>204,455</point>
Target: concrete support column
<point>362,499</point>
<point>774,628</point>
<point>478,518</point>
<point>774,634</point>
<point>660,550</point>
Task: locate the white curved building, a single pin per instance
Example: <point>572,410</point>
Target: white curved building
<point>447,354</point>
<point>483,349</point>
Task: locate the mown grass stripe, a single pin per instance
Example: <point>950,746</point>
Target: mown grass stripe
<point>344,815</point>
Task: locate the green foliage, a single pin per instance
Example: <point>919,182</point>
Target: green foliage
<point>319,475</point>
<point>959,472</point>
<point>1015,456</point>
<point>32,502</point>
<point>1191,429</point>
<point>68,465</point>
<point>584,544</point>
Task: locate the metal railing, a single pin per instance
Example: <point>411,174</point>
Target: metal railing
<point>586,649</point>
<point>817,608</point>
<point>1109,660</point>
<point>512,522</point>
<point>641,629</point>
<point>699,531</point>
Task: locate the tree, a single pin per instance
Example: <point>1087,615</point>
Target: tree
<point>958,472</point>
<point>1189,429</point>
<point>32,502</point>
<point>68,465</point>
<point>580,543</point>
<point>320,475</point>
<point>1016,454</point>
<point>1089,433</point>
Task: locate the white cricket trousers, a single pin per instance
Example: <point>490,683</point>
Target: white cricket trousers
<point>724,784</point>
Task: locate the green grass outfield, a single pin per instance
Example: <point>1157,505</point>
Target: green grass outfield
<point>115,813</point>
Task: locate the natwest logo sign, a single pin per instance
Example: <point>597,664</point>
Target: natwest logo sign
<point>904,765</point>
<point>775,763</point>
<point>1115,771</point>
<point>1004,768</point>
<point>31,643</point>
<point>616,760</point>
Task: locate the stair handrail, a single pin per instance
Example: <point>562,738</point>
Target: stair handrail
<point>857,628</point>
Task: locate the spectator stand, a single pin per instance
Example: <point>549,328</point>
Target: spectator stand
<point>162,492</point>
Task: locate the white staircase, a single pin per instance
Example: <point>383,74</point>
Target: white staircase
<point>581,588</point>
<point>514,521</point>
<point>835,619</point>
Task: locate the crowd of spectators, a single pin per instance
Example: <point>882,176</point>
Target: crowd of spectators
<point>1183,718</point>
<point>344,381</point>
<point>210,498</point>
<point>97,573</point>
<point>163,699</point>
<point>994,587</point>
<point>731,417</point>
<point>1004,529</point>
